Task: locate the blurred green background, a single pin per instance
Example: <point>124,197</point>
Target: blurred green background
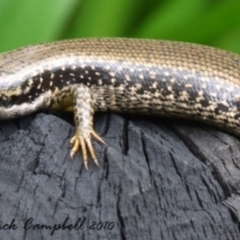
<point>210,22</point>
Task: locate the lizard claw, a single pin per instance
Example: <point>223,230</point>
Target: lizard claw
<point>82,140</point>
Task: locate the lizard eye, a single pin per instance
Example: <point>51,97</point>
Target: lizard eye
<point>6,102</point>
<point>9,103</point>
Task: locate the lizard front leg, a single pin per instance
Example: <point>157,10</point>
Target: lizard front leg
<point>78,98</point>
<point>83,118</point>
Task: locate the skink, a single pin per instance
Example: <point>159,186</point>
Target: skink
<point>121,75</point>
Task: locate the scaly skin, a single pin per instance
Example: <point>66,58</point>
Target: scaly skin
<point>122,75</point>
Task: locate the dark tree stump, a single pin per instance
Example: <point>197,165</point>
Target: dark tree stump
<point>158,179</point>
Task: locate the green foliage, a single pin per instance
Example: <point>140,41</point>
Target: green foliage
<point>209,22</point>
